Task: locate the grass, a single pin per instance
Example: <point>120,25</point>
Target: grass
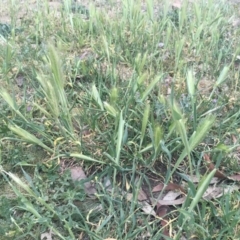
<point>131,92</point>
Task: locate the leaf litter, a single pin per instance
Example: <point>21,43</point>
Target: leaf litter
<point>77,174</point>
<point>47,235</point>
<point>165,195</point>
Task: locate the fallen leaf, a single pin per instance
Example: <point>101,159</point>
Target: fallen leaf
<point>213,192</point>
<point>142,197</point>
<point>170,186</point>
<point>147,208</point>
<point>234,139</point>
<point>170,198</point>
<point>211,166</point>
<point>171,195</point>
<point>219,174</point>
<point>161,212</point>
<point>217,191</point>
<point>77,174</point>
<point>168,202</point>
<point>235,177</point>
<point>196,179</point>
<point>47,235</point>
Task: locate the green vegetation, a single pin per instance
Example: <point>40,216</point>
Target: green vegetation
<point>136,94</point>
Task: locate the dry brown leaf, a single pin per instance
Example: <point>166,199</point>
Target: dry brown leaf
<point>171,195</point>
<point>218,173</point>
<point>147,208</point>
<point>141,196</point>
<point>78,174</point>
<point>170,186</point>
<point>235,177</point>
<point>213,192</point>
<point>162,211</point>
<point>216,192</point>
<point>211,166</point>
<point>47,235</point>
<point>170,198</point>
<point>169,202</point>
<point>234,139</point>
<point>195,179</point>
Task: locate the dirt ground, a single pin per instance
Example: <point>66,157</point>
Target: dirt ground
<point>22,8</point>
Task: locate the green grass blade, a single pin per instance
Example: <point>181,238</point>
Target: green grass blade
<point>222,77</point>
<point>20,183</point>
<point>110,109</point>
<point>158,136</point>
<point>150,87</point>
<point>28,137</point>
<point>144,122</point>
<point>194,140</point>
<point>84,157</point>
<point>201,190</point>
<point>96,97</point>
<point>201,131</point>
<point>10,101</point>
<point>120,137</point>
<point>190,83</point>
<point>181,129</point>
<point>53,89</point>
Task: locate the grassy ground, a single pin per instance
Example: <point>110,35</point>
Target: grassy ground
<point>102,103</point>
